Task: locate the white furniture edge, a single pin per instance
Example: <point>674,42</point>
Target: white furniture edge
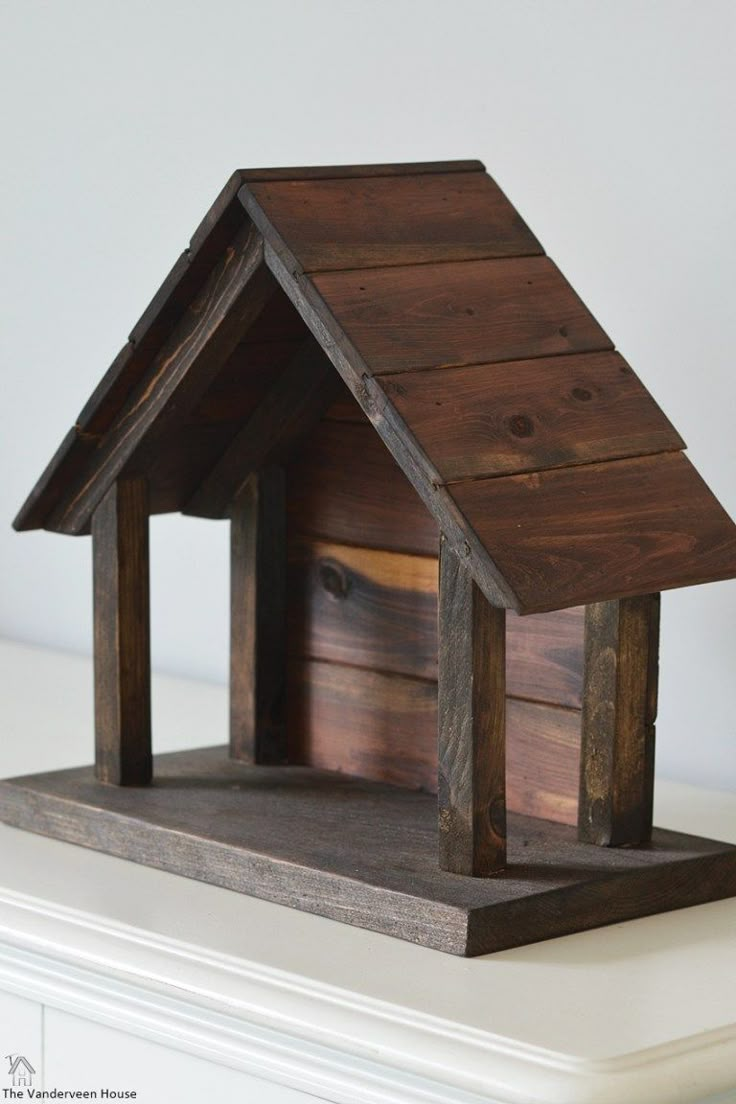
<point>312,1036</point>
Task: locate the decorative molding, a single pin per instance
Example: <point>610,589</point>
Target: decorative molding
<point>315,1037</point>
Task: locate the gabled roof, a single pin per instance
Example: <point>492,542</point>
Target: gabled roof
<point>544,459</point>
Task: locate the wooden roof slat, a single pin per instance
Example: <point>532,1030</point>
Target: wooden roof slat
<point>219,225</point>
<point>366,222</point>
<point>69,460</point>
<point>346,172</point>
<point>584,534</point>
<point>528,415</point>
<point>464,312</point>
<point>208,332</point>
<point>395,434</point>
<point>503,343</point>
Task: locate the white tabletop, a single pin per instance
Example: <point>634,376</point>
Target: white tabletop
<point>642,1011</point>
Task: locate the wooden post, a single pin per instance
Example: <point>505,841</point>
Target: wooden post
<point>258,620</point>
<point>122,635</point>
<point>619,711</point>
<point>472,724</point>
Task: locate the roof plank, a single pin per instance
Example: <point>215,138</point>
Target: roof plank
<point>376,221</point>
<point>528,415</point>
<point>69,460</point>
<point>346,172</point>
<point>468,312</point>
<point>587,534</point>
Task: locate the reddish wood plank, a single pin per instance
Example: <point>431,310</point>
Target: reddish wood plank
<point>345,486</point>
<point>325,172</point>
<point>466,312</point>
<point>68,462</point>
<point>599,531</point>
<point>494,419</point>
<point>377,609</point>
<point>544,656</point>
<point>384,727</point>
<point>362,722</point>
<point>233,295</point>
<point>367,222</point>
<point>363,606</point>
<point>542,760</point>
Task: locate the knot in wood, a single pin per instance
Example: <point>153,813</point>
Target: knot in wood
<point>521,426</point>
<point>334,580</point>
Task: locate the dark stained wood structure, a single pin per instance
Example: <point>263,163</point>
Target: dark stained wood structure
<point>357,367</point>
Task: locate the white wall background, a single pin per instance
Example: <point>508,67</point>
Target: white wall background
<point>608,122</point>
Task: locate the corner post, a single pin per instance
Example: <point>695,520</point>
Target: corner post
<point>258,619</point>
<point>619,711</point>
<point>472,724</point>
<point>122,635</point>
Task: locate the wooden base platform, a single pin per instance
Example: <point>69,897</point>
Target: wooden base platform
<point>364,853</point>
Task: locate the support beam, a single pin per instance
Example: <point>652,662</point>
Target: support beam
<point>472,724</point>
<point>619,711</point>
<point>285,417</point>
<point>231,298</point>
<point>122,635</point>
<point>258,620</point>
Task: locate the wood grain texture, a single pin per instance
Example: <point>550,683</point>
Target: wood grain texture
<point>542,760</point>
<point>467,312</point>
<point>363,606</point>
<point>68,462</point>
<point>391,428</point>
<point>544,656</point>
<point>258,620</point>
<point>550,412</point>
<point>122,643</point>
<point>364,723</point>
<point>391,721</point>
<point>378,609</point>
<point>180,373</point>
<point>471,724</point>
<point>590,533</point>
<point>365,222</point>
<point>619,711</point>
<point>345,486</point>
<point>279,424</point>
<point>364,853</point>
<point>348,172</point>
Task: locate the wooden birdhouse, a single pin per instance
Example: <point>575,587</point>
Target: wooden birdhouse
<point>453,507</point>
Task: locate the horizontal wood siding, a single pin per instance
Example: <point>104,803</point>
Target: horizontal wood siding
<point>362,634</point>
<point>384,727</point>
<point>345,486</point>
<point>378,609</point>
